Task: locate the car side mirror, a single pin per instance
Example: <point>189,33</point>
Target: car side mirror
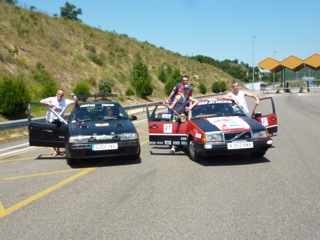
<point>257,114</point>
<point>133,117</point>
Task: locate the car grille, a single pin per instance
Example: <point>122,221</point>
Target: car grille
<point>104,138</point>
<point>237,136</point>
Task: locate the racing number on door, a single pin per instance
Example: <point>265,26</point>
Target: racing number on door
<point>264,121</point>
<point>167,128</point>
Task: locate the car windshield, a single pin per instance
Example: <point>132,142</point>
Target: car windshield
<point>216,108</point>
<point>98,111</point>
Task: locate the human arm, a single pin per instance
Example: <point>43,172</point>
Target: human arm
<point>194,102</point>
<point>229,97</point>
<point>47,102</point>
<point>174,102</point>
<point>75,100</point>
<point>253,96</point>
<point>170,96</point>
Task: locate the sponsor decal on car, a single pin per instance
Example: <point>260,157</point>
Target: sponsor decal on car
<point>229,123</point>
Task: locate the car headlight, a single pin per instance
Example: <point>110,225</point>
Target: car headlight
<point>79,139</point>
<point>129,136</point>
<point>213,137</point>
<point>259,134</point>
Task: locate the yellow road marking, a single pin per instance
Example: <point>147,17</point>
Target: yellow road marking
<point>37,196</point>
<point>4,212</point>
<point>39,174</point>
<point>19,159</point>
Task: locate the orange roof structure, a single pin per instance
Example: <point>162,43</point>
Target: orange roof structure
<point>270,64</point>
<point>313,61</point>
<point>292,62</point>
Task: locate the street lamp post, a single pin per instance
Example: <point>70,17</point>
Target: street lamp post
<point>253,37</point>
<point>274,53</point>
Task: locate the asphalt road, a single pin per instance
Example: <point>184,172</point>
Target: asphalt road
<point>170,197</point>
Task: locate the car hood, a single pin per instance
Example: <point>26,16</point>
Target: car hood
<point>233,123</point>
<point>101,127</point>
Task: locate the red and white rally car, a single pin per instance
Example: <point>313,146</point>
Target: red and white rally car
<point>215,127</point>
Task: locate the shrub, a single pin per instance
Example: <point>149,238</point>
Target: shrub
<point>202,88</point>
<point>219,86</point>
<point>129,92</point>
<point>81,88</point>
<point>106,85</point>
<point>14,96</point>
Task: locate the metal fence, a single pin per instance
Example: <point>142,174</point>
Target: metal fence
<point>24,122</point>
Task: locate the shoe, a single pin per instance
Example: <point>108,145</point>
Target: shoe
<point>54,153</point>
<point>172,151</point>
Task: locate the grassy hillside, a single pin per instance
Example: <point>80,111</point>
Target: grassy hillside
<point>69,51</point>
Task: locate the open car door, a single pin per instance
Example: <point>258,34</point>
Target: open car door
<point>265,113</point>
<point>162,129</point>
<point>46,134</point>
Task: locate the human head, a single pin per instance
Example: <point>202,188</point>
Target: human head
<point>235,86</point>
<point>109,111</point>
<point>185,80</point>
<point>186,89</point>
<point>59,95</point>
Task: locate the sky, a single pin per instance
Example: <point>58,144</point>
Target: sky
<point>246,30</point>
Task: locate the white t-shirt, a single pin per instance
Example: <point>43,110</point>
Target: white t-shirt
<point>241,100</point>
<point>59,107</point>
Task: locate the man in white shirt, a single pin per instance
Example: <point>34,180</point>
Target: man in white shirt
<point>239,97</point>
<point>59,105</point>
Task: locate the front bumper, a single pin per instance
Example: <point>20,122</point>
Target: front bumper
<point>217,149</point>
<point>84,150</point>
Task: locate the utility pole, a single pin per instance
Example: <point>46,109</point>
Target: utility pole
<point>253,37</point>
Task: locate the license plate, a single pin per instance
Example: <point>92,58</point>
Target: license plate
<point>240,145</point>
<point>101,147</point>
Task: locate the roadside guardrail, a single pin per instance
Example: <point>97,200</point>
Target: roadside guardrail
<point>129,108</point>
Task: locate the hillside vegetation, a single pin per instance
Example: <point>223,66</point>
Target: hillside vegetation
<point>71,51</point>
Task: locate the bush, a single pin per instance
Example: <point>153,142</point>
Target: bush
<point>14,96</point>
<point>81,89</point>
<point>202,88</point>
<point>106,85</point>
<point>129,92</point>
<point>218,87</point>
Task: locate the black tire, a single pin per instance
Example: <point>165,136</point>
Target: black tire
<point>135,156</point>
<point>193,155</point>
<point>71,161</point>
<point>258,154</point>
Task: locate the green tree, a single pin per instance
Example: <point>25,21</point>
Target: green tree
<point>13,2</point>
<point>70,12</point>
<point>140,78</point>
<point>46,81</point>
<point>143,87</point>
<point>14,96</point>
<point>173,77</point>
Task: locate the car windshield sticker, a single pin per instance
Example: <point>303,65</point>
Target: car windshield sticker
<point>166,115</point>
<point>167,128</point>
<point>107,104</point>
<point>227,123</point>
<point>214,101</point>
<point>264,121</point>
